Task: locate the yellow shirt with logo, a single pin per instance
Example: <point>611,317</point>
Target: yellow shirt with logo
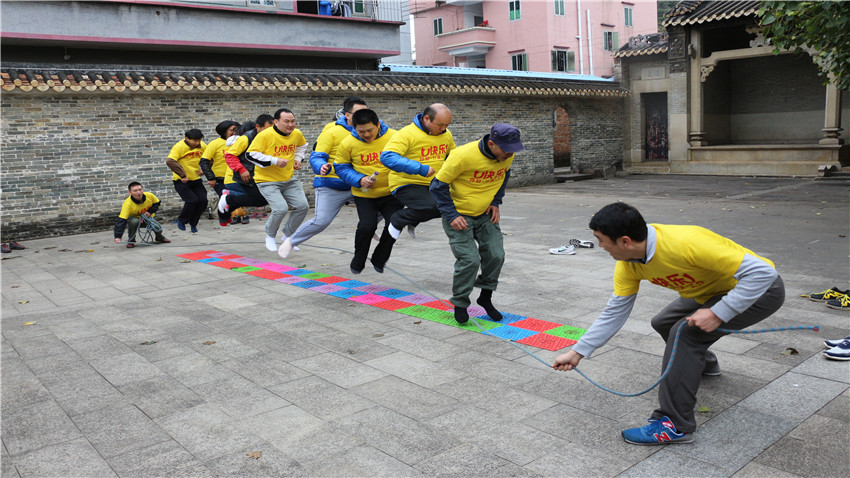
<point>695,262</point>
<point>329,139</point>
<point>270,142</point>
<point>365,158</point>
<point>413,143</point>
<point>215,153</point>
<point>131,209</point>
<point>188,157</point>
<point>473,179</point>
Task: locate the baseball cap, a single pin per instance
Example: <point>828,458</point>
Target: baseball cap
<point>506,137</point>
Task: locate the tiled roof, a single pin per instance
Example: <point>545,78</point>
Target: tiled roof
<point>137,80</point>
<point>643,45</point>
<point>693,12</point>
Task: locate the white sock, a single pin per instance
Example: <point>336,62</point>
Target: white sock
<point>393,231</point>
<point>271,243</point>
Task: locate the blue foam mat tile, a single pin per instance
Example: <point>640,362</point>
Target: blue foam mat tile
<point>511,333</point>
<point>299,272</point>
<point>393,293</point>
<point>351,283</point>
<point>211,259</point>
<point>347,293</point>
<point>308,284</point>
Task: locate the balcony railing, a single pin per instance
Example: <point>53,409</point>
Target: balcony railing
<point>462,42</point>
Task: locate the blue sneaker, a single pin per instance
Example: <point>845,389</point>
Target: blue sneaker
<point>658,432</point>
<point>180,225</point>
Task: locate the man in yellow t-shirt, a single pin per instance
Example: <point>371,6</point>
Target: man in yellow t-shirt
<point>277,153</point>
<point>212,163</point>
<point>138,204</point>
<point>414,155</point>
<point>183,160</point>
<point>468,191</point>
<point>358,164</point>
<point>719,282</point>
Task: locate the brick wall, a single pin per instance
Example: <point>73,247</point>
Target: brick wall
<point>68,156</point>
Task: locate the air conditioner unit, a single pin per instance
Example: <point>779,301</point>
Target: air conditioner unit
<point>261,3</point>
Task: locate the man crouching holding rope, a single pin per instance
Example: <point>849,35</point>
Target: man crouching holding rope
<point>719,283</point>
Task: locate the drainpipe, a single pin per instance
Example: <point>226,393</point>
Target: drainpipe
<point>589,44</point>
<point>578,37</point>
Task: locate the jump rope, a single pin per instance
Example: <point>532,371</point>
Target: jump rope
<point>484,331</point>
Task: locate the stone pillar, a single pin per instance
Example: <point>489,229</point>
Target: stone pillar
<point>696,131</point>
<point>832,120</point>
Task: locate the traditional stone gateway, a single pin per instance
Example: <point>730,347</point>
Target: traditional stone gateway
<point>73,139</point>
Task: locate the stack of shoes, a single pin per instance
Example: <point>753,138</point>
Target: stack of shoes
<point>12,246</point>
<point>834,298</point>
<point>837,349</point>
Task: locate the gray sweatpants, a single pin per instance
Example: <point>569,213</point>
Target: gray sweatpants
<point>328,203</point>
<point>280,196</point>
<point>677,394</point>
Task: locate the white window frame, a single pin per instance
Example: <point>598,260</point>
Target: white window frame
<point>628,16</point>
<point>610,40</point>
<point>438,25</point>
<point>514,10</point>
<point>569,60</point>
<point>559,8</point>
<point>519,62</point>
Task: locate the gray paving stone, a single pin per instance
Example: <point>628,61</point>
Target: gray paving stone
<point>326,400</point>
<point>74,384</point>
<point>271,463</point>
<point>510,440</point>
<point>400,437</point>
<point>224,348</point>
<point>301,435</point>
<point>406,398</point>
<point>362,461</point>
<point>820,366</point>
<point>40,346</point>
<point>339,370</point>
<point>118,429</point>
<point>21,387</point>
<point>265,370</point>
<point>757,470</point>
<point>574,391</point>
<point>97,346</point>
<point>357,348</point>
<point>838,408</point>
<point>239,397</point>
<point>207,433</point>
<point>160,395</point>
<point>7,468</point>
<point>666,462</point>
<point>160,349</point>
<point>802,453</point>
<point>194,369</point>
<point>753,431</point>
<point>74,457</point>
<point>163,459</point>
<point>465,460</point>
<point>415,369</point>
<point>125,368</point>
<point>288,347</point>
<point>38,425</point>
<point>794,396</point>
<point>475,390</point>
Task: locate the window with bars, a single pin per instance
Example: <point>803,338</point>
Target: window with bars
<point>513,7</point>
<point>627,17</point>
<point>438,26</point>
<point>519,62</point>
<point>610,41</point>
<point>563,60</point>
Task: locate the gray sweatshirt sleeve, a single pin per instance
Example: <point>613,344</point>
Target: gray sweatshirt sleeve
<point>754,278</point>
<point>607,324</point>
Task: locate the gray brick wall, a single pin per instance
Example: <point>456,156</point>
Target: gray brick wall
<point>68,157</point>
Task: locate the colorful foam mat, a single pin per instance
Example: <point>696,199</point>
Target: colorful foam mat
<point>517,328</point>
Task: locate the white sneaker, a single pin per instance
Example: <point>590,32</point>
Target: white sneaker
<point>412,231</point>
<point>222,202</point>
<point>393,231</point>
<point>563,249</point>
<point>834,343</point>
<point>271,243</point>
<point>285,248</point>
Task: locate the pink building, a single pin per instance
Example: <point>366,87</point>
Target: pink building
<point>534,35</point>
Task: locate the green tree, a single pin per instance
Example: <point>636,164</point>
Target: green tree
<point>823,28</point>
<point>663,7</point>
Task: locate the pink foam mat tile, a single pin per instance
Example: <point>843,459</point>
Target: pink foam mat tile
<point>327,289</point>
<point>368,298</point>
<point>273,266</point>
<point>291,279</point>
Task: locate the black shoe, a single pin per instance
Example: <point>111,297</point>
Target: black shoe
<point>246,220</point>
<point>378,269</point>
<point>236,220</point>
<point>712,370</point>
<point>355,271</point>
<point>461,315</point>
